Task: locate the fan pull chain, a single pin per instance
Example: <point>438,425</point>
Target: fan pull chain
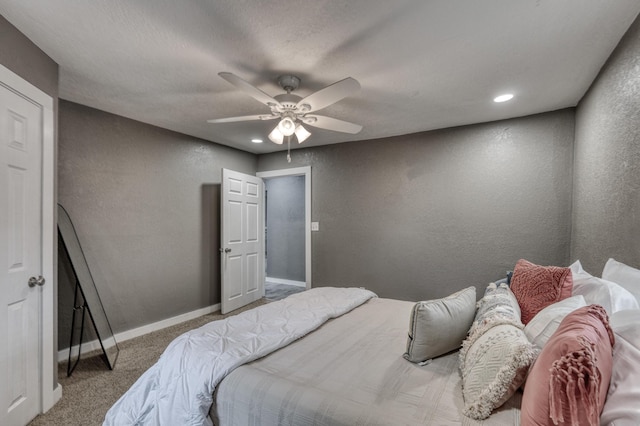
<point>288,149</point>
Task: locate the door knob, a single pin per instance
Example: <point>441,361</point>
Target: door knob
<point>33,281</point>
<point>225,250</point>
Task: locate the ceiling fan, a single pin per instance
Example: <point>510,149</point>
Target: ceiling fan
<point>292,110</point>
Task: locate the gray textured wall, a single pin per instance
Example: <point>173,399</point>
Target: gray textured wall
<point>285,228</point>
<point>24,58</point>
<point>145,204</point>
<point>419,216</point>
<point>606,216</point>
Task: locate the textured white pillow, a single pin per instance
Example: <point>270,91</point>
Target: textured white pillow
<point>545,323</point>
<point>439,326</point>
<point>493,367</point>
<point>622,274</point>
<point>496,356</point>
<point>498,304</point>
<point>622,406</point>
<point>609,295</point>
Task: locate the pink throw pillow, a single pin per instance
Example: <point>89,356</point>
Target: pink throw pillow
<point>568,382</point>
<point>537,287</point>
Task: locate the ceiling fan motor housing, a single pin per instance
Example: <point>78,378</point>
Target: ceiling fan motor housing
<point>289,82</point>
<point>288,101</point>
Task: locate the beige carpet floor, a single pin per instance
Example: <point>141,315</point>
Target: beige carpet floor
<point>92,388</point>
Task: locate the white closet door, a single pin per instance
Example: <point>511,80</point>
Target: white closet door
<point>20,257</point>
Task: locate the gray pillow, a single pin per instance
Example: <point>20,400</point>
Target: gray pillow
<point>439,326</point>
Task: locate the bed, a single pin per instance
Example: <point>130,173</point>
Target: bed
<point>335,357</point>
<point>350,371</point>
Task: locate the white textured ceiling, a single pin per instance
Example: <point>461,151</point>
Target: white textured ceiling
<point>422,64</point>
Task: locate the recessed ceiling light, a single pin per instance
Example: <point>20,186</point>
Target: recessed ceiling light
<point>256,140</point>
<point>503,98</point>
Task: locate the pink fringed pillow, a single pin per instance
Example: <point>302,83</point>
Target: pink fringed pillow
<point>537,287</point>
<point>568,382</point>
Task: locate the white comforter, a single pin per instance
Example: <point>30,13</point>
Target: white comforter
<point>178,389</point>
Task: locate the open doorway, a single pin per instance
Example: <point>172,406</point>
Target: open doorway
<point>287,231</point>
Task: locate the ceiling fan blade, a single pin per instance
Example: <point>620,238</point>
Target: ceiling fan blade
<point>243,118</point>
<point>329,123</point>
<point>249,89</point>
<point>329,95</point>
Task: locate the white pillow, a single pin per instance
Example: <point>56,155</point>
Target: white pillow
<point>609,295</point>
<point>495,357</point>
<point>545,323</point>
<point>622,274</point>
<point>622,406</point>
<point>498,304</point>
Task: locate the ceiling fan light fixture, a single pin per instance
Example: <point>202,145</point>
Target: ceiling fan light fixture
<point>301,133</point>
<point>291,110</point>
<point>286,126</point>
<point>276,136</point>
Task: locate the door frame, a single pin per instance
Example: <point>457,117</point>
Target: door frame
<point>306,172</point>
<point>50,389</point>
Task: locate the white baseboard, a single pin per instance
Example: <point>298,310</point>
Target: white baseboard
<point>57,393</point>
<point>287,282</point>
<point>63,355</point>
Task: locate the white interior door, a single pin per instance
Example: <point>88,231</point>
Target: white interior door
<point>242,240</point>
<point>20,257</point>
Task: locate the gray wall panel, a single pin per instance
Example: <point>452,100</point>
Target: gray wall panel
<point>24,58</point>
<point>419,216</point>
<point>145,204</point>
<point>606,217</point>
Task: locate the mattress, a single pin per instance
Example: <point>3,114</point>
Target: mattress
<point>350,371</point>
